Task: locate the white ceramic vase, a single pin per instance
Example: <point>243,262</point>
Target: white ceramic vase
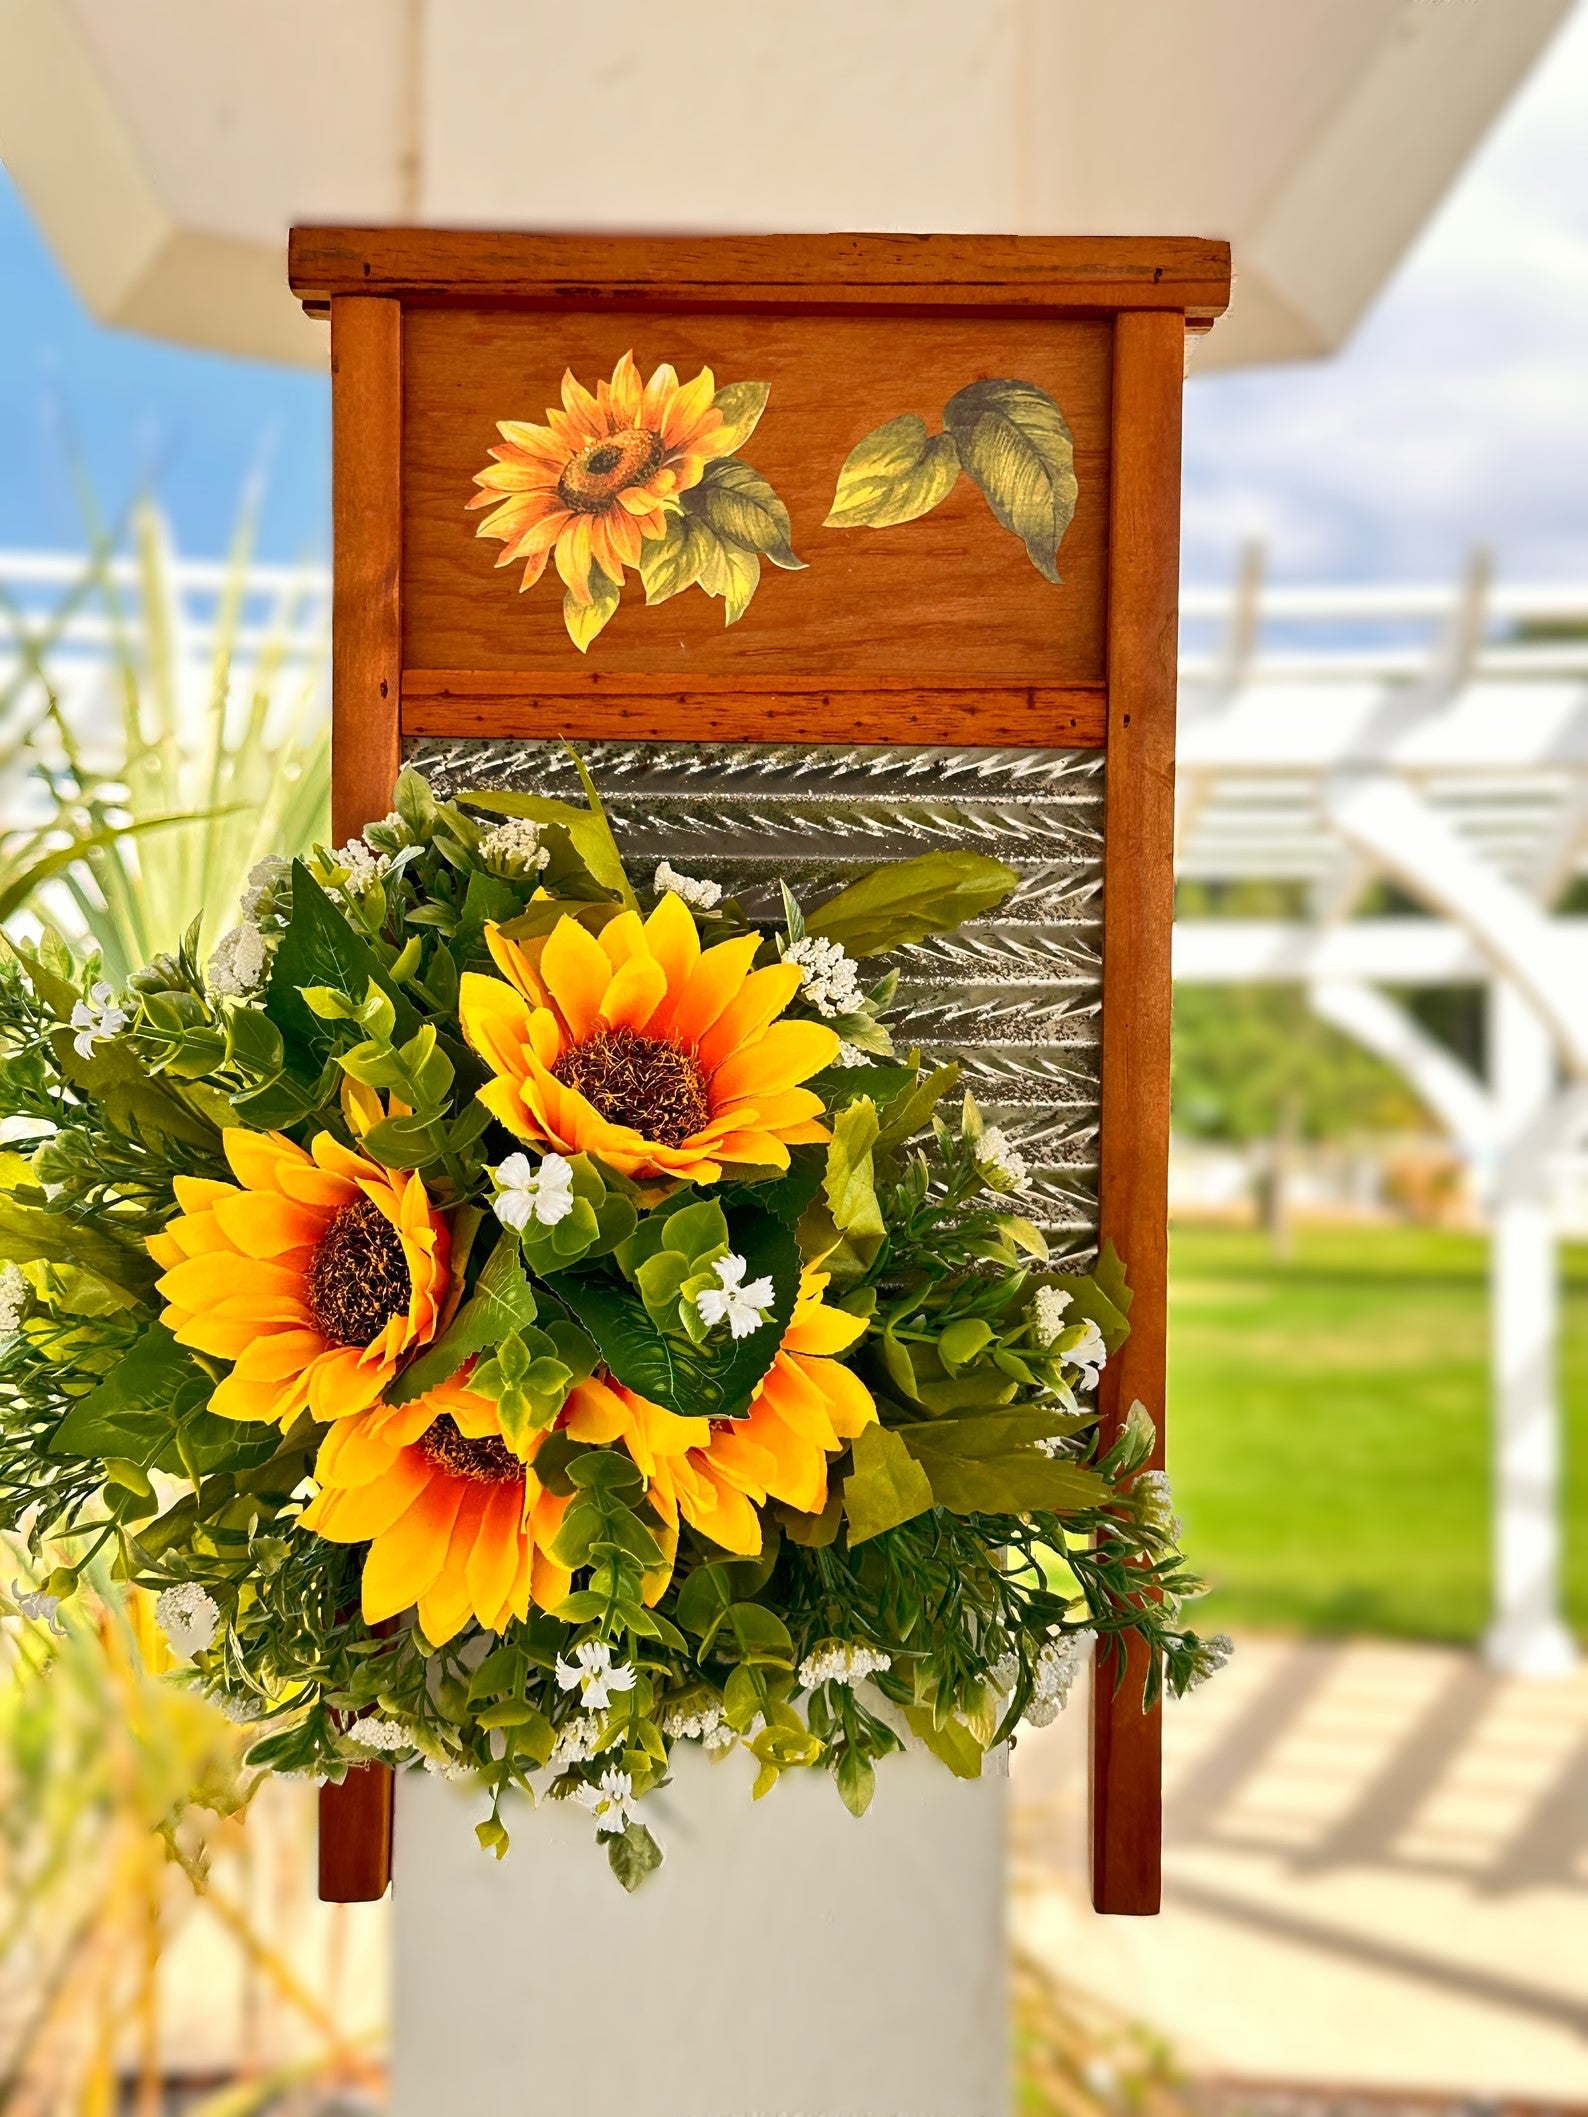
<point>786,1960</point>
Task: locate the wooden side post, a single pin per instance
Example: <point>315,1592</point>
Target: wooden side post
<point>366,683</point>
<point>1138,909</point>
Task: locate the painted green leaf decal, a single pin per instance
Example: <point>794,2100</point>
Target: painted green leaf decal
<point>741,405</point>
<point>741,507</point>
<point>715,1380</point>
<point>887,1485</point>
<point>1013,440</point>
<point>585,620</point>
<point>898,473</point>
<point>906,900</point>
<point>671,563</point>
<point>734,574</point>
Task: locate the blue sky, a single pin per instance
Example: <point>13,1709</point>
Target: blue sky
<point>1457,414</point>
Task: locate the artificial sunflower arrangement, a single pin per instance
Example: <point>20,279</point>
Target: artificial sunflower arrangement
<point>515,1325</point>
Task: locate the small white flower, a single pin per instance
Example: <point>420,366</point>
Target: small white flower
<point>236,970</point>
<point>1090,1356</point>
<point>1003,1165</point>
<point>453,1769</point>
<point>851,1054</point>
<point>611,1802</point>
<point>1002,1673</point>
<point>742,1308</point>
<point>1155,1504</point>
<point>1054,1676</point>
<point>694,890</point>
<point>720,1738</point>
<point>592,1674</point>
<point>527,1191</point>
<point>581,1736</point>
<point>97,1019</point>
<point>379,1734</point>
<point>265,879</point>
<point>189,1616</point>
<point>513,847</point>
<point>14,1292</point>
<point>828,978</point>
<point>35,1604</point>
<point>1209,1658</point>
<point>364,865</point>
<point>834,1662</point>
<point>1047,1313</point>
<point>698,1725</point>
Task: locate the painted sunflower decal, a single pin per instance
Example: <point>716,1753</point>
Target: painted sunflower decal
<point>638,476</point>
<point>641,1048</point>
<point>315,1274</point>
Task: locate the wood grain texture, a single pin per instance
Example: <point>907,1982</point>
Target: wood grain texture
<point>1138,912</point>
<point>952,597</point>
<point>355,1835</point>
<point>366,501</point>
<point>1057,274</point>
<point>480,703</point>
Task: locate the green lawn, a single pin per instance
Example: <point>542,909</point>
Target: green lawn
<point>1328,1428</point>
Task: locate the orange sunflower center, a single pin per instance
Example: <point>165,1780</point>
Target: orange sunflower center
<point>485,1461</point>
<point>604,468</point>
<point>638,1081</point>
<point>359,1278</point>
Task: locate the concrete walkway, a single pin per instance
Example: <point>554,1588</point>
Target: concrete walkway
<point>1376,1874</point>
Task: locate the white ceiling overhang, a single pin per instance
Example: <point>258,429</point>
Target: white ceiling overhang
<point>166,148</point>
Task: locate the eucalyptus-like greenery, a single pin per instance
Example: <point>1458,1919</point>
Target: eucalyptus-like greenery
<point>976,1531</point>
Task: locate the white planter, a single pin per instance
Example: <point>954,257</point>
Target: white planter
<point>786,1961</point>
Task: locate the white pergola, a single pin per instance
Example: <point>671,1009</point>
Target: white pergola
<point>1438,738</point>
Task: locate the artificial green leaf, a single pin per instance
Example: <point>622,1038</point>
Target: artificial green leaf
<point>742,508</point>
<point>320,948</point>
<point>34,1235</point>
<point>886,1486</point>
<point>739,405</point>
<point>119,1415</point>
<point>1014,442</point>
<point>950,1741</point>
<point>501,1303</point>
<point>896,474</point>
<point>591,837</point>
<point>633,1854</point>
<point>961,1342</point>
<point>970,1474</point>
<point>586,619</point>
<point>716,1379</point>
<point>906,900</point>
<point>912,1112</point>
<point>857,1779</point>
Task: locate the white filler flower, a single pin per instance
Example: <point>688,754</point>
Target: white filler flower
<point>741,1307</point>
<point>97,1019</point>
<point>236,970</point>
<point>527,1191</point>
<point>1209,1658</point>
<point>379,1734</point>
<point>189,1617</point>
<point>611,1802</point>
<point>364,865</point>
<point>695,890</point>
<point>828,978</point>
<point>513,847</point>
<point>14,1292</point>
<point>834,1662</point>
<point>1057,1667</point>
<point>1047,1313</point>
<point>695,1724</point>
<point>591,1673</point>
<point>1003,1165</point>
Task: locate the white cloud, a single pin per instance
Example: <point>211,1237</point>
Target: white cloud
<point>1459,412</point>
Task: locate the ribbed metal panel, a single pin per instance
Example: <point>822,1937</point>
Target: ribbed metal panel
<point>1014,998</point>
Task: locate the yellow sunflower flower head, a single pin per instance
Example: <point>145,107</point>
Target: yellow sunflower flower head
<point>639,1047</point>
<point>455,1522</point>
<point>315,1274</point>
<point>596,480</point>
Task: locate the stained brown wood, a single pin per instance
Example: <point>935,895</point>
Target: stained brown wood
<point>366,499</point>
<point>1138,912</point>
<point>481,703</point>
<point>950,598</point>
<point>355,1835</point>
<point>1185,274</point>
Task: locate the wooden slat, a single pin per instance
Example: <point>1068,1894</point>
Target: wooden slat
<point>366,667</point>
<point>1005,273</point>
<point>366,499</point>
<point>442,702</point>
<point>1138,910</point>
<point>355,1835</point>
